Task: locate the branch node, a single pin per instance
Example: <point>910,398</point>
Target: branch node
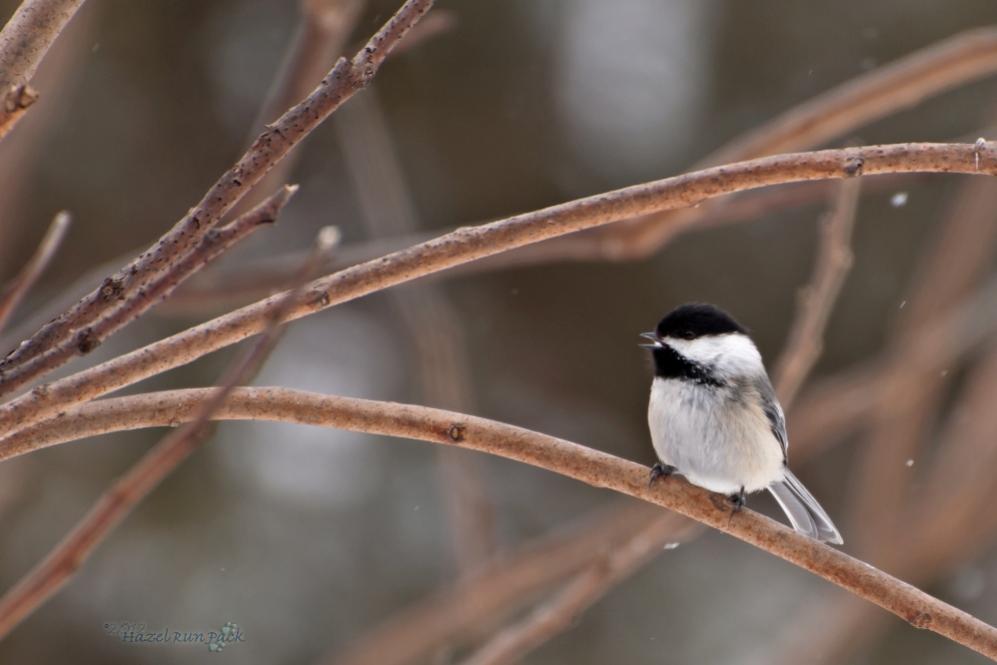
<point>86,341</point>
<point>111,288</point>
<point>456,432</point>
<point>19,97</point>
<point>853,166</point>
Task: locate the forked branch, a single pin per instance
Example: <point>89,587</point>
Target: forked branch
<point>344,80</point>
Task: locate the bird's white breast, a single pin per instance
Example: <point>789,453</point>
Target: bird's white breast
<point>718,438</point>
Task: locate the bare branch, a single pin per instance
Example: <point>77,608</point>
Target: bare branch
<point>211,246</point>
<point>117,502</point>
<point>321,36</point>
<point>572,460</point>
<point>344,80</point>
<point>217,289</point>
<point>876,94</point>
<point>834,260</point>
<point>557,615</point>
<point>24,41</point>
<point>34,268</point>
<point>468,244</point>
<point>496,589</point>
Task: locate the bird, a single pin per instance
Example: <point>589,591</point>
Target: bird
<point>714,417</point>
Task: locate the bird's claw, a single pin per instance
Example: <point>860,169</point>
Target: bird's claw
<point>660,470</point>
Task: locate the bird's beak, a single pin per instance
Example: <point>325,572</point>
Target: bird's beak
<point>655,342</point>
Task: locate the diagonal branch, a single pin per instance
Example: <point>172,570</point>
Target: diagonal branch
<point>834,260</point>
<point>468,244</point>
<point>569,459</point>
<point>584,590</point>
<point>861,100</point>
<point>33,269</point>
<point>494,590</point>
<point>24,41</point>
<point>212,245</point>
<point>344,80</point>
<point>117,502</point>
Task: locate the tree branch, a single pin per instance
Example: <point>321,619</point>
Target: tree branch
<point>858,101</point>
<point>136,483</point>
<point>212,245</point>
<point>344,80</point>
<point>34,268</point>
<point>587,465</point>
<point>24,41</point>
<point>584,590</point>
<point>321,35</point>
<point>834,260</point>
<point>468,244</point>
<point>494,590</point>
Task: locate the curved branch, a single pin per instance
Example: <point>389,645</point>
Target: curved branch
<point>861,100</point>
<point>590,466</point>
<point>468,244</point>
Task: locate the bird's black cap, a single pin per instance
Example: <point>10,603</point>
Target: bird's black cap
<point>697,320</point>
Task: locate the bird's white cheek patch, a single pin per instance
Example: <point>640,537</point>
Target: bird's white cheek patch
<point>731,353</point>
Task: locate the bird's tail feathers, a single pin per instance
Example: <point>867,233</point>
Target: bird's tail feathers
<point>803,511</point>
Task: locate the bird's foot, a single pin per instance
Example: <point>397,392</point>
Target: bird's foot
<point>660,470</point>
<point>737,502</point>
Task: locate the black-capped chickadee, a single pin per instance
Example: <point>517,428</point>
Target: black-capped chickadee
<point>715,419</point>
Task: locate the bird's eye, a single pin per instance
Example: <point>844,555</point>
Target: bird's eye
<point>687,334</point>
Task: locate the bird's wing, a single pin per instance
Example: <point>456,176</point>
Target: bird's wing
<point>773,411</point>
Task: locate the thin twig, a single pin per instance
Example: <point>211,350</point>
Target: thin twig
<point>572,460</point>
<point>212,245</point>
<point>438,23</point>
<point>116,503</point>
<point>834,260</point>
<point>323,29</point>
<point>493,591</point>
<point>557,614</point>
<point>21,156</point>
<point>846,400</point>
<point>24,41</point>
<point>469,244</point>
<point>859,101</point>
<point>34,268</point>
<point>344,80</point>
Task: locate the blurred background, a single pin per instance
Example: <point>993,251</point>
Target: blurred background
<point>312,540</point>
